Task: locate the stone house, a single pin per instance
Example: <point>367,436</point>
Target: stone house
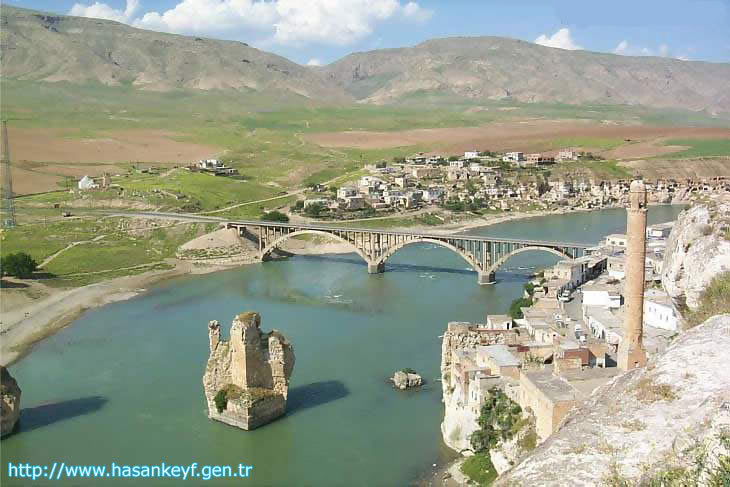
<point>549,397</point>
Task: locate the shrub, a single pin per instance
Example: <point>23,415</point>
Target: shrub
<point>514,309</point>
<point>497,421</point>
<point>408,370</point>
<point>221,400</point>
<point>713,301</point>
<point>19,265</point>
<point>314,210</point>
<point>275,216</point>
<point>479,469</point>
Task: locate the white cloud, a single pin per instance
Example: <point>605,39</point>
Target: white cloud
<point>625,49</point>
<point>622,47</point>
<point>292,22</point>
<point>314,62</point>
<point>561,39</point>
<point>103,11</point>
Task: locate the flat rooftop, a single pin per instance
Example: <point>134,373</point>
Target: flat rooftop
<point>554,387</point>
<point>500,354</point>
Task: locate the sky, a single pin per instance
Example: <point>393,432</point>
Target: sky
<point>322,31</point>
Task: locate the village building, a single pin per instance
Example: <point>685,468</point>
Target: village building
<point>549,397</point>
<point>86,183</point>
<point>659,311</point>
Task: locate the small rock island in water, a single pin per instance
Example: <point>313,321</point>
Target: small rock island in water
<point>246,380</point>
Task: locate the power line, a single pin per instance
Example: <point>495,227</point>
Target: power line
<point>8,203</point>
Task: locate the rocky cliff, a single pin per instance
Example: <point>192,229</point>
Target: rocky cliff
<point>460,420</point>
<point>10,396</point>
<point>698,249</point>
<point>246,380</point>
<point>665,424</point>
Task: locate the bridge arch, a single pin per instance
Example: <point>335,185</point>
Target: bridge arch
<point>530,248</point>
<point>390,251</point>
<point>275,244</point>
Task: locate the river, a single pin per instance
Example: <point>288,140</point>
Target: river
<point>123,383</point>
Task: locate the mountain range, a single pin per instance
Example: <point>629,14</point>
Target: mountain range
<point>50,48</point>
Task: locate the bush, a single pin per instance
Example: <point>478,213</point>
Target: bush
<point>298,206</point>
<point>479,469</point>
<point>275,216</point>
<point>497,421</point>
<point>514,309</point>
<point>530,288</point>
<point>713,301</point>
<point>19,265</point>
<point>221,400</point>
<point>314,210</point>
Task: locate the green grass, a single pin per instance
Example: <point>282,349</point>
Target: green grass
<point>595,143</point>
<point>700,148</point>
<point>479,469</point>
<point>118,249</point>
<point>714,300</point>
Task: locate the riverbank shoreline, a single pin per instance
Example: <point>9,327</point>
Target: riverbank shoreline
<point>23,327</point>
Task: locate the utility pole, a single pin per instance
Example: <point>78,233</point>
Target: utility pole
<point>8,204</point>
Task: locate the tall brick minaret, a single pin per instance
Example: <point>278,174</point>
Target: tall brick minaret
<point>631,352</point>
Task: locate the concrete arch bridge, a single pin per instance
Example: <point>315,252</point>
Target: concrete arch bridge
<point>484,254</point>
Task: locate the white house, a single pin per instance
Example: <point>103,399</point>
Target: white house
<point>471,155</point>
<point>601,295</point>
<point>659,311</point>
<point>87,183</point>
<point>513,157</point>
<point>346,192</point>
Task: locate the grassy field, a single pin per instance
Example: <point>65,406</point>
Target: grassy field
<point>479,469</point>
<point>700,148</point>
<point>117,246</point>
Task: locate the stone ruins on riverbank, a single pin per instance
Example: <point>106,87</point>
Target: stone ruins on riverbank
<point>246,380</point>
<point>10,393</point>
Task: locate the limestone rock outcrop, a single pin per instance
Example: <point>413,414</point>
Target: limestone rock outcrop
<point>648,421</point>
<point>460,421</point>
<point>10,393</point>
<point>405,380</point>
<point>697,251</point>
<point>246,380</point>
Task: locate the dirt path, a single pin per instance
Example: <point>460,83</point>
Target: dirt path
<point>71,245</point>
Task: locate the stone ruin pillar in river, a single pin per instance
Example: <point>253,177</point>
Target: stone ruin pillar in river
<point>246,380</point>
<point>631,352</point>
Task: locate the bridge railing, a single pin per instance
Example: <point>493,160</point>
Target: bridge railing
<point>459,236</point>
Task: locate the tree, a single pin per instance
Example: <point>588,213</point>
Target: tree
<point>453,158</point>
<point>298,205</point>
<point>314,210</point>
<point>19,265</point>
<point>514,309</point>
<point>275,216</point>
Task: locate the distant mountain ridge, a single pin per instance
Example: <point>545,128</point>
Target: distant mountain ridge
<point>499,68</point>
<point>46,47</point>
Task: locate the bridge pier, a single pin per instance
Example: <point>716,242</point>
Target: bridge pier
<point>376,268</point>
<point>486,278</point>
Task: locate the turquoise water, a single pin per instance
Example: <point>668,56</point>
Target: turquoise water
<point>123,383</point>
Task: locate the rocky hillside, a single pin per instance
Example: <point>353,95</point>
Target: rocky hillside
<point>48,47</point>
<point>45,47</point>
<point>498,68</point>
<point>698,250</point>
<point>666,424</point>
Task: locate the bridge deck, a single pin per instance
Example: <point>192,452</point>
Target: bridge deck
<point>466,237</point>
